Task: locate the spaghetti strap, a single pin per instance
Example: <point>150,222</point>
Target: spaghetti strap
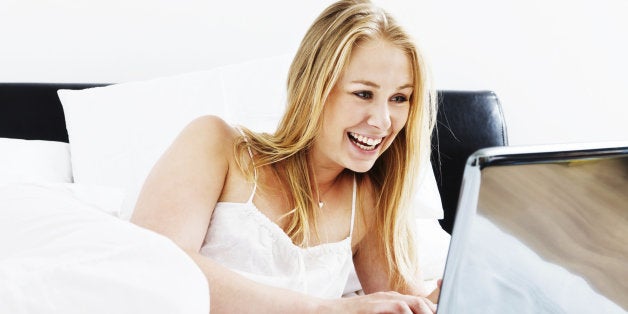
<point>248,147</point>
<point>353,201</point>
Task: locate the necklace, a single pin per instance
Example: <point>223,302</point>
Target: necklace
<point>320,196</point>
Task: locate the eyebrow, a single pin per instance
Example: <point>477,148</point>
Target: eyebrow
<point>371,84</point>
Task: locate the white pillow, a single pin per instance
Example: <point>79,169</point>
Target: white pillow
<point>255,92</point>
<point>34,161</point>
<point>427,200</point>
<point>118,132</point>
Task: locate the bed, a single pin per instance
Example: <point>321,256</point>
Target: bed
<point>73,158</point>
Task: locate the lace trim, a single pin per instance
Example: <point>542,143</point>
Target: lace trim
<point>277,234</point>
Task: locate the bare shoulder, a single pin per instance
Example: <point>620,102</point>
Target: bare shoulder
<point>199,158</point>
<point>210,133</point>
<point>216,123</point>
<point>213,128</point>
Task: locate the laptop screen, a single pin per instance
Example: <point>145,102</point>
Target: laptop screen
<point>540,232</point>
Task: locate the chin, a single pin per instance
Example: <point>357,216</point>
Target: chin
<point>360,167</point>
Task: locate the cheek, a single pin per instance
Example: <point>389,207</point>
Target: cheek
<point>399,118</point>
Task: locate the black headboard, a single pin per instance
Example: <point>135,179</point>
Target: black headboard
<point>467,121</point>
<point>33,111</point>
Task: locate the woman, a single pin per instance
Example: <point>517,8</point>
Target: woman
<point>276,221</point>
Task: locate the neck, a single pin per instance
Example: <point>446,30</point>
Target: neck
<point>323,181</point>
<point>324,172</point>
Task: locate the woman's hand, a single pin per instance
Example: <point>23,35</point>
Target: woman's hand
<point>381,302</point>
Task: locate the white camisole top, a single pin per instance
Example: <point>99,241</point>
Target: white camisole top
<point>243,239</point>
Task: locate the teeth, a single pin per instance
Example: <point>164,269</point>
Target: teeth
<point>364,141</point>
<point>365,147</point>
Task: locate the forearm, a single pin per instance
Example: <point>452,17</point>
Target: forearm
<point>371,269</point>
<point>377,280</point>
<point>232,293</point>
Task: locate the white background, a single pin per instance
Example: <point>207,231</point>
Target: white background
<point>559,67</point>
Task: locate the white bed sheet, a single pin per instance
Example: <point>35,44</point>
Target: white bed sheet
<point>59,253</point>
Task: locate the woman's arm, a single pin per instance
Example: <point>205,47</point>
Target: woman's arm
<point>370,261</point>
<point>371,268</point>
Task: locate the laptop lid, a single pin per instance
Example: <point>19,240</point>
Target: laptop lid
<point>541,229</point>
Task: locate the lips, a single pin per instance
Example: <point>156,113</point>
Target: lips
<point>364,142</point>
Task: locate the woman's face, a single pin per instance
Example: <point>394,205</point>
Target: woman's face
<point>366,108</point>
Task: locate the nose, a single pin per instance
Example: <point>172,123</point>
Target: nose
<point>379,115</point>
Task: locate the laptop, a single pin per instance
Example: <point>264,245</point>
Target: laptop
<point>540,229</point>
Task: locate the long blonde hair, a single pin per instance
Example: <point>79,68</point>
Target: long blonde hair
<point>316,68</point>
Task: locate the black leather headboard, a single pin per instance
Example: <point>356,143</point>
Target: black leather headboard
<point>33,111</point>
<point>467,121</point>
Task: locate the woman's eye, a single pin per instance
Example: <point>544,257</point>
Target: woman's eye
<point>399,99</point>
<point>364,94</point>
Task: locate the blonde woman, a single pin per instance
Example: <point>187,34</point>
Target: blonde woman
<point>277,221</point>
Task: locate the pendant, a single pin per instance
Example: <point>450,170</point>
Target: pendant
<point>320,204</point>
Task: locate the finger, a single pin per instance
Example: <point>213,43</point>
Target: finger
<point>421,306</point>
<point>391,306</point>
<point>430,304</point>
<point>393,302</point>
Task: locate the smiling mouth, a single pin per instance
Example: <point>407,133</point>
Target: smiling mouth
<point>364,142</point>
